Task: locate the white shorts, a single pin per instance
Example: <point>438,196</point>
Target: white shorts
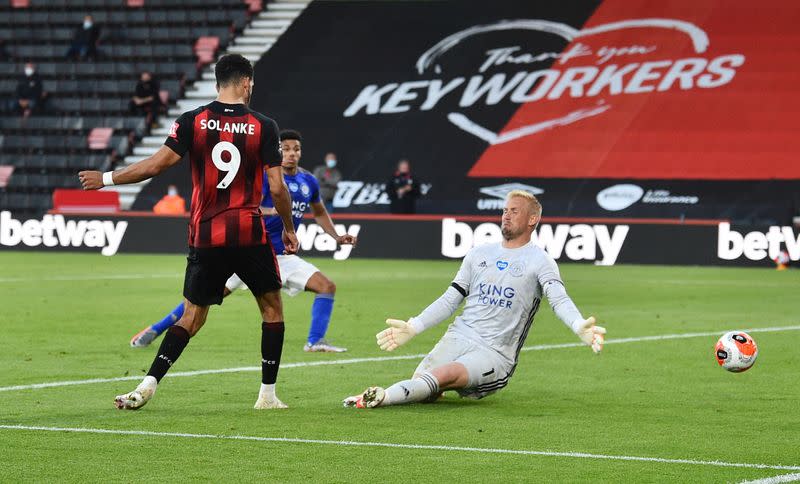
<point>295,273</point>
<point>487,371</point>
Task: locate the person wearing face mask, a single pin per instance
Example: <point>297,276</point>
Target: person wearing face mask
<point>171,204</point>
<point>329,177</point>
<point>403,189</point>
<point>30,93</point>
<point>146,99</point>
<point>84,41</point>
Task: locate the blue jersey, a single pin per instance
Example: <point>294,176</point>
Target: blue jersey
<point>304,190</point>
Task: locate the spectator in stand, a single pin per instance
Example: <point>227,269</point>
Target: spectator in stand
<point>30,95</point>
<point>146,98</point>
<point>171,204</point>
<point>329,178</point>
<point>403,189</point>
<point>84,41</point>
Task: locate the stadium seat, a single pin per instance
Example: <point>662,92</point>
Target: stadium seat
<point>99,138</point>
<point>5,174</point>
<point>65,200</point>
<point>87,99</point>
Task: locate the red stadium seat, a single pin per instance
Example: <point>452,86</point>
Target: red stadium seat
<point>99,138</point>
<point>254,6</point>
<point>206,48</point>
<point>5,174</point>
<point>66,200</point>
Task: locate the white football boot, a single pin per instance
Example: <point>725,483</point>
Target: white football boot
<point>139,397</point>
<point>265,402</point>
<point>322,346</point>
<point>371,398</point>
<point>143,338</point>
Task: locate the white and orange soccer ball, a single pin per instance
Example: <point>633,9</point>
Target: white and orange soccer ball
<point>736,351</point>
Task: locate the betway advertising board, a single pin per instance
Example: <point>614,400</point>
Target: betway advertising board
<point>426,238</point>
<point>691,102</point>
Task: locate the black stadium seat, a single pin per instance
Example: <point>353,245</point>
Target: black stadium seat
<point>47,149</point>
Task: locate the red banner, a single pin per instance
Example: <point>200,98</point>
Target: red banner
<point>669,90</point>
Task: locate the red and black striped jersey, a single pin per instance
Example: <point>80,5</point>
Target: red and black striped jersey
<point>229,147</point>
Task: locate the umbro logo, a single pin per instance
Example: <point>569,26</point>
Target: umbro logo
<point>482,264</point>
<point>228,110</point>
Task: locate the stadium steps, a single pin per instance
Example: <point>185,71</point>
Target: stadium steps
<point>256,39</point>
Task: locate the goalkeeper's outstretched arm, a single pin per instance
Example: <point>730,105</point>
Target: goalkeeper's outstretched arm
<point>568,313</point>
<point>438,310</point>
<point>399,331</point>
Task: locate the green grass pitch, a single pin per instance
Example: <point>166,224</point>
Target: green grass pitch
<point>69,317</point>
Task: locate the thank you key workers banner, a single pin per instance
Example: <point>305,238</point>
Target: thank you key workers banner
<point>660,95</point>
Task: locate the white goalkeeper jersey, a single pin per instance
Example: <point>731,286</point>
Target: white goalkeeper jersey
<point>502,290</point>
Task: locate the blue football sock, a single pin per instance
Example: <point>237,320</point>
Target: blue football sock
<point>320,317</point>
<point>169,320</point>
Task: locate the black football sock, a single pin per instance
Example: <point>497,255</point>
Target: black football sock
<point>271,349</point>
<point>171,348</point>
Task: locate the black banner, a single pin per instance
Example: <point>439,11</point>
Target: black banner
<point>581,100</point>
<point>428,237</point>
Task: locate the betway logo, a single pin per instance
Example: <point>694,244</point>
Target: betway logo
<point>576,242</point>
<point>755,245</point>
<point>54,231</point>
<point>312,236</point>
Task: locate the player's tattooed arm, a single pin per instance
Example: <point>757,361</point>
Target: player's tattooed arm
<point>323,219</point>
<point>283,204</point>
<point>139,171</point>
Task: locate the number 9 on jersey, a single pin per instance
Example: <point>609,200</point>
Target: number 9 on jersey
<point>230,167</point>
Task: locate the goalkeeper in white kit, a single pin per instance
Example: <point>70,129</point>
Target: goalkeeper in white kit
<point>503,284</point>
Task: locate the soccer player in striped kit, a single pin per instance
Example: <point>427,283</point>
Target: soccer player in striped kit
<point>229,147</point>
<point>297,274</point>
<point>502,284</point>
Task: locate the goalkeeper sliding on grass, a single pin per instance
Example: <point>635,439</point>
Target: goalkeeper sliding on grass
<point>502,284</point>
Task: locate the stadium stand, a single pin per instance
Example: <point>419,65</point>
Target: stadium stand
<point>85,122</point>
<point>256,39</point>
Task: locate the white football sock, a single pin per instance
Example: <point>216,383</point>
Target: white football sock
<point>147,383</point>
<point>410,391</point>
<point>267,390</point>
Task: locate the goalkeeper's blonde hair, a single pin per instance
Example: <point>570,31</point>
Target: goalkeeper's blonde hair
<point>533,202</point>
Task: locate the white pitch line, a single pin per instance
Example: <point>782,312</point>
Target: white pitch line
<point>350,361</point>
<point>90,277</point>
<point>347,443</point>
<point>775,479</point>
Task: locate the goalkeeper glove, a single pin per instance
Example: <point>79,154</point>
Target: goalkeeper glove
<point>398,334</point>
<point>591,334</point>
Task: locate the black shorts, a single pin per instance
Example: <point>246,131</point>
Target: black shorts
<point>208,269</point>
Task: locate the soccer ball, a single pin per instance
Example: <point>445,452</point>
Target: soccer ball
<point>736,351</point>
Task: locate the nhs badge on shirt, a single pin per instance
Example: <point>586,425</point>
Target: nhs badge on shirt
<point>501,265</point>
<point>293,186</point>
